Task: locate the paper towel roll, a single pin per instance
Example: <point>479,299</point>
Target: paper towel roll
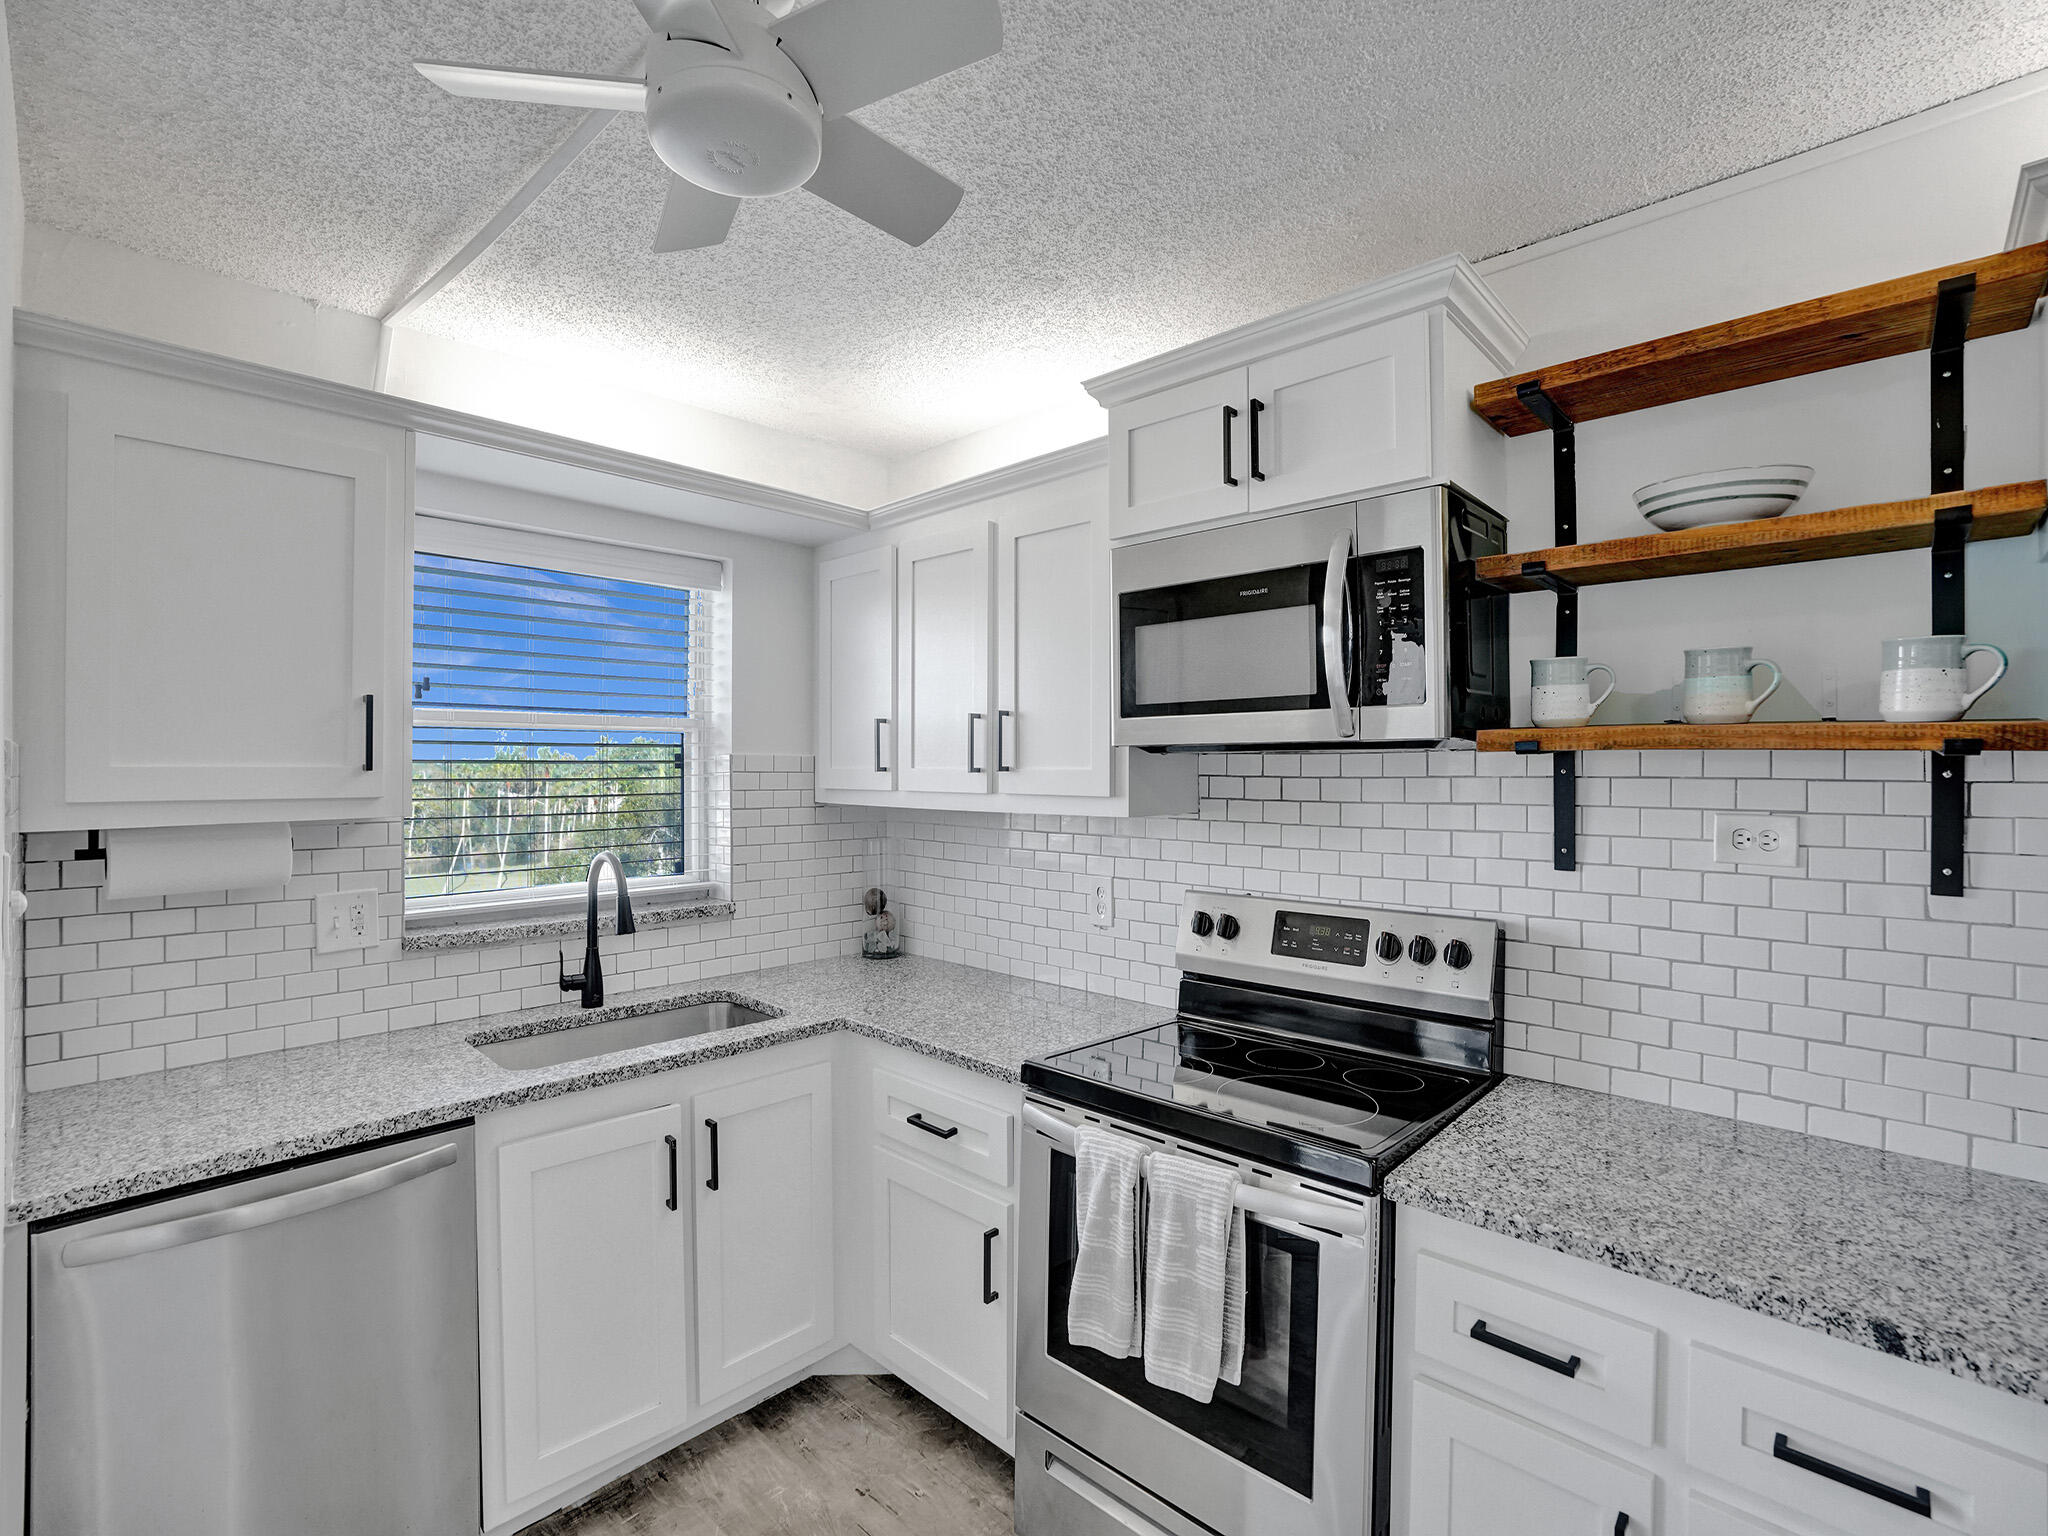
<point>178,861</point>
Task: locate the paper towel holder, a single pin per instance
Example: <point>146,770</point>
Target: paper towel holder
<point>93,849</point>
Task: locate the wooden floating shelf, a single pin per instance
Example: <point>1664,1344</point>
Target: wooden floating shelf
<point>1856,326</point>
<point>1997,512</point>
<point>1779,736</point>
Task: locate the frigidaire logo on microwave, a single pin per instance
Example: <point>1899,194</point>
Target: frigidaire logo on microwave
<point>1254,592</point>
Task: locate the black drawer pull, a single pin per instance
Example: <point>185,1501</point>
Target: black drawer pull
<point>989,1296</point>
<point>1524,1352</point>
<point>671,1171</point>
<point>1621,1524</point>
<point>1258,408</point>
<point>712,1182</point>
<point>1229,415</point>
<point>943,1132</point>
<point>1919,1501</point>
<point>369,733</point>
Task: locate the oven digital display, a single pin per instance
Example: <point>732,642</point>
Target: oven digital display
<point>1320,936</point>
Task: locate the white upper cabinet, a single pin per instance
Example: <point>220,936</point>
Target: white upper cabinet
<point>211,603</point>
<point>763,1191</point>
<point>942,635</point>
<point>1052,652</point>
<point>1361,393</point>
<point>856,618</point>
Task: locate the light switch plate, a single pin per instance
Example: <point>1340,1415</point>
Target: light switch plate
<point>344,920</point>
<point>1101,902</point>
<point>1744,838</point>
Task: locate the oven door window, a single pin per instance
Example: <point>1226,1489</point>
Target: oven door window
<point>1268,1421</point>
<point>1234,645</point>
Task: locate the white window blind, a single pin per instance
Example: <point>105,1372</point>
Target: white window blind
<point>557,712</point>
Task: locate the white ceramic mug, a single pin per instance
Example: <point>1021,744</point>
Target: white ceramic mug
<point>1717,685</point>
<point>1927,677</point>
<point>1561,690</point>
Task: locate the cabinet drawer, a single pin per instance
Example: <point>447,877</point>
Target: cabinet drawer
<point>1710,1517</point>
<point>1595,1367</point>
<point>946,1127</point>
<point>1738,1410</point>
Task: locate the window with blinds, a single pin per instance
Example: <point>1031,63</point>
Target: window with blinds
<point>556,713</point>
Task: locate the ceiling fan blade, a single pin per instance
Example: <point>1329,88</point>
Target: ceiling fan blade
<point>887,187</point>
<point>605,93</point>
<point>857,51</point>
<point>697,19</point>
<point>692,218</point>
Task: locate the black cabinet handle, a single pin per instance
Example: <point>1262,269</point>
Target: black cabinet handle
<point>943,1132</point>
<point>671,1171</point>
<point>989,1296</point>
<point>712,1127</point>
<point>973,719</point>
<point>1002,762</point>
<point>1524,1352</point>
<point>1229,415</point>
<point>1919,1501</point>
<point>880,721</point>
<point>1621,1523</point>
<point>369,733</point>
<point>1258,410</point>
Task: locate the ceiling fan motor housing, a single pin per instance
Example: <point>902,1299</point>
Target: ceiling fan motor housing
<point>743,122</point>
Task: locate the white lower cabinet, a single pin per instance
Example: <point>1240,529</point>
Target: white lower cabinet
<point>1480,1472</point>
<point>1545,1393</point>
<point>763,1193</point>
<point>589,1301</point>
<point>943,1291</point>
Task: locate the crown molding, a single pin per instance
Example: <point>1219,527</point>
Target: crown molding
<point>1449,281</point>
<point>1060,464</point>
<point>72,339</point>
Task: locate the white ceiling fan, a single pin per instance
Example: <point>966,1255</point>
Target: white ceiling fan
<point>743,102</point>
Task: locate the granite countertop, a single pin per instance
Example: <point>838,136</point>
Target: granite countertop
<point>101,1142</point>
<point>1937,1264</point>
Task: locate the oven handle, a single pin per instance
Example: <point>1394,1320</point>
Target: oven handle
<point>1336,661</point>
<point>1330,1215</point>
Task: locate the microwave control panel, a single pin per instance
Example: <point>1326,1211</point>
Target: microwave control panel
<point>1395,670</point>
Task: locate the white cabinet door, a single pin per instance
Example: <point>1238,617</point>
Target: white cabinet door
<point>942,1291</point>
<point>1342,416</point>
<point>1475,1471</point>
<point>942,631</point>
<point>229,601</point>
<point>1053,653</point>
<point>593,1323</point>
<point>1178,456</point>
<point>856,619</point>
<point>763,1187</point>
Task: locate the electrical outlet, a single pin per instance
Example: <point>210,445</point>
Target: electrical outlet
<point>344,920</point>
<point>1101,903</point>
<point>1742,838</point>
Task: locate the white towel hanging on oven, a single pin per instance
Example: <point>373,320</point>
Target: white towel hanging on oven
<point>1103,1306</point>
<point>1194,1275</point>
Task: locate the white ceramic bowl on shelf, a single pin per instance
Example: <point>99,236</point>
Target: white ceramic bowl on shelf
<point>1723,495</point>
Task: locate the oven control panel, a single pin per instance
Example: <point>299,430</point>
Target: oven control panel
<point>1374,954</point>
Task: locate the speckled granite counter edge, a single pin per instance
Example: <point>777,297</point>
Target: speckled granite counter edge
<point>1951,1355</point>
<point>518,931</point>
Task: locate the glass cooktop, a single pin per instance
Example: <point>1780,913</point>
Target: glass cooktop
<point>1182,1073</point>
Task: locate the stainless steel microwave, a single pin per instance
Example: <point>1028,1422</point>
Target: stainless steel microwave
<point>1354,625</point>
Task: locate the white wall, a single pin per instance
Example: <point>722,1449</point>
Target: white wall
<point>771,595</point>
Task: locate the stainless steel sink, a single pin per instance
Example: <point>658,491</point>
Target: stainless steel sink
<point>602,1037</point>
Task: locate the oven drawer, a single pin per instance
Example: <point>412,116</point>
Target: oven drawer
<point>948,1128</point>
<point>1737,1411</point>
<point>1587,1364</point>
<point>1063,1491</point>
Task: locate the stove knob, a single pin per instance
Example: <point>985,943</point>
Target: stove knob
<point>1390,947</point>
<point>1457,954</point>
<point>1421,950</point>
<point>1226,927</point>
<point>1203,925</point>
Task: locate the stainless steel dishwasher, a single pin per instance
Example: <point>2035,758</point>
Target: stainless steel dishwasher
<point>289,1354</point>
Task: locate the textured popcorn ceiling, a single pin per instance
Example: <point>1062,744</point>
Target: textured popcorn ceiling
<point>1140,173</point>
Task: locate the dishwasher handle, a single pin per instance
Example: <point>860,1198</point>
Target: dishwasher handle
<point>257,1213</point>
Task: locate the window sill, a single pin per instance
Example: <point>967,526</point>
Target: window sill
<point>543,925</point>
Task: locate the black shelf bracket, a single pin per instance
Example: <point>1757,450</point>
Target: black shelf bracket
<point>1952,526</point>
<point>94,849</point>
<point>1567,604</point>
<point>1564,810</point>
<point>1949,807</point>
<point>1564,467</point>
<point>1564,481</point>
<point>1952,303</point>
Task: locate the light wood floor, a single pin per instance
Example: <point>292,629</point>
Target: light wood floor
<point>833,1456</point>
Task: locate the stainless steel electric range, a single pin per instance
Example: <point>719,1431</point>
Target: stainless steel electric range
<point>1316,1045</point>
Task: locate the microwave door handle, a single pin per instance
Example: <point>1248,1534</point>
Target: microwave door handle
<point>1336,628</point>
